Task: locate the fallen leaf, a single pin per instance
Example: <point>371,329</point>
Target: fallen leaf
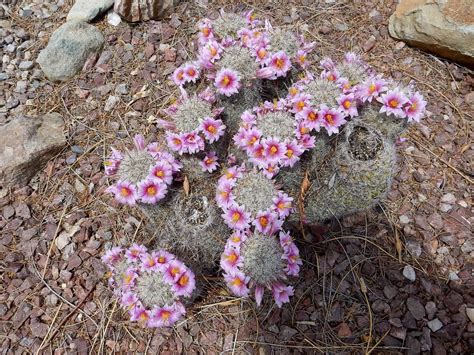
<point>186,186</point>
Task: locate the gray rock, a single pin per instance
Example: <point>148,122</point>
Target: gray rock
<point>111,102</point>
<point>69,48</point>
<point>416,308</point>
<point>122,89</point>
<point>409,273</point>
<point>87,10</point>
<point>26,65</point>
<point>4,76</point>
<point>444,27</point>
<point>27,144</point>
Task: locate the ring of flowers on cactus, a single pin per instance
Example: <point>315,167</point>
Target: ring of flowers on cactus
<point>248,198</point>
<point>143,174</point>
<point>272,137</point>
<point>252,260</point>
<point>150,285</point>
<point>194,121</point>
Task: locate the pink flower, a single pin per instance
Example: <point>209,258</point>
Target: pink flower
<point>257,155</point>
<point>259,294</point>
<point>274,149</point>
<point>237,282</point>
<point>151,191</point>
<point>192,142</point>
<point>168,158</point>
<point>149,262</point>
<point>224,196</point>
<point>190,72</point>
<point>248,118</point>
<point>231,174</point>
<point>371,88</point>
<point>139,142</point>
<point>163,258</point>
<point>265,73</point>
<point>162,172</point>
<point>227,82</point>
<point>293,153</point>
<point>270,170</point>
<point>178,76</point>
<point>282,204</point>
<point>415,107</point>
<point>230,259</point>
<point>212,129</point>
<point>252,136</point>
<point>331,119</point>
<point>236,218</point>
<point>174,270</point>
<point>264,221</point>
<point>301,58</point>
<point>139,314</point>
<point>210,52</point>
<point>208,95</point>
<point>112,164</point>
<point>330,75</point>
<point>112,257</point>
<point>236,239</point>
<point>135,252</point>
<point>310,117</point>
<point>125,193</point>
<point>300,102</point>
<point>262,55</point>
<point>285,239</point>
<point>175,142</point>
<point>351,57</point>
<point>307,141</point>
<point>128,278</point>
<point>250,18</point>
<point>281,293</point>
<point>348,104</point>
<point>280,63</point>
<point>164,316</point>
<point>129,299</point>
<point>393,102</point>
<point>205,31</point>
<point>244,35</point>
<point>185,284</point>
<point>209,163</point>
<point>327,63</point>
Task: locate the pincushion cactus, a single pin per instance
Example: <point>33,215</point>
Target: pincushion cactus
<point>248,198</point>
<point>271,137</point>
<point>151,286</point>
<point>253,260</point>
<point>143,174</point>
<point>357,174</point>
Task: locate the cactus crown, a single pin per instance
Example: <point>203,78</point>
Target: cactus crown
<point>152,290</point>
<point>262,258</point>
<point>190,113</point>
<point>364,144</point>
<point>255,192</point>
<point>285,41</point>
<point>228,24</point>
<point>355,72</point>
<point>277,124</point>
<point>324,91</point>
<point>135,166</point>
<point>241,60</point>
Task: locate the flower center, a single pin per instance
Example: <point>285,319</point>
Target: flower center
<point>191,72</point>
<point>331,77</point>
<point>312,116</point>
<point>236,239</point>
<point>151,190</point>
<point>273,149</point>
<point>279,63</point>
<point>263,221</point>
<point>211,129</point>
<point>261,53</point>
<point>347,104</point>
<point>213,51</point>
<point>300,105</point>
<point>393,103</point>
<point>165,315</point>
<point>208,161</point>
<point>329,118</point>
<point>232,257</point>
<point>226,80</point>
<point>237,282</point>
<point>206,31</point>
<point>235,216</point>
<point>293,91</point>
<point>174,271</point>
<point>143,316</point>
<point>289,153</point>
<point>125,192</point>
<point>372,88</point>
<point>162,259</point>
<point>176,141</point>
<point>183,280</point>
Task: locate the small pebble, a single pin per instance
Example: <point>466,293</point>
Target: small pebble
<point>409,273</point>
<point>435,325</point>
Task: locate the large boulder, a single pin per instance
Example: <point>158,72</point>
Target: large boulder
<point>443,27</point>
<point>87,10</point>
<point>26,144</point>
<point>69,48</point>
<point>144,10</point>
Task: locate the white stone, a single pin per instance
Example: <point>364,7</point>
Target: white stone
<point>113,19</point>
<point>87,10</point>
<point>409,273</point>
<point>111,102</point>
<point>453,276</point>
<point>404,219</point>
<point>435,325</point>
<point>445,207</point>
<point>448,198</point>
<point>470,314</point>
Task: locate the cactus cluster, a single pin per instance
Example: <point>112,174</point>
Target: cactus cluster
<point>150,285</point>
<point>205,190</point>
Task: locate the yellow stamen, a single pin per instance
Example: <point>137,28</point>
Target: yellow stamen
<point>263,221</point>
<point>393,103</point>
<point>226,80</point>
<point>124,192</point>
<point>183,280</point>
<point>273,149</point>
<point>235,216</point>
<point>289,153</point>
<point>347,104</point>
<point>329,118</point>
<point>151,190</point>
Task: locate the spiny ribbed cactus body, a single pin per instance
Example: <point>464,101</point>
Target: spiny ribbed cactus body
<point>255,192</point>
<point>152,290</point>
<point>190,113</point>
<point>135,166</point>
<point>357,172</point>
<point>355,72</point>
<point>262,258</point>
<point>389,126</point>
<point>228,24</point>
<point>285,41</point>
<point>277,124</point>
<point>189,226</point>
<point>323,92</point>
<point>240,60</point>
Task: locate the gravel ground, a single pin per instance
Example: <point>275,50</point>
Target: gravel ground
<point>397,279</point>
